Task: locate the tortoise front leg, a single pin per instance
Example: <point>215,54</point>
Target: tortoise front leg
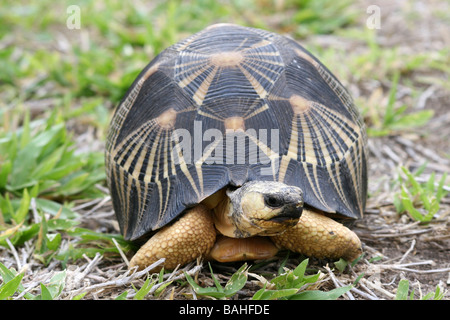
<point>190,237</point>
<point>316,235</point>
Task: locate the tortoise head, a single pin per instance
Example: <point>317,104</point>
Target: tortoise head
<point>262,208</point>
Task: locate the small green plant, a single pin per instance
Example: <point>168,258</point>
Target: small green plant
<point>40,175</point>
<point>236,283</point>
<point>288,285</point>
<point>12,285</point>
<point>149,285</point>
<point>320,17</point>
<point>414,194</point>
<point>293,284</point>
<point>392,118</point>
<point>41,156</point>
<point>404,294</point>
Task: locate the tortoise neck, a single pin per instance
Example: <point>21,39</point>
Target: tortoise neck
<point>223,218</point>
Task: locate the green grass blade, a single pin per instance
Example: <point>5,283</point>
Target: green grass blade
<point>10,287</point>
<point>321,295</point>
<point>402,290</point>
<point>45,293</point>
<point>22,212</point>
<point>144,290</point>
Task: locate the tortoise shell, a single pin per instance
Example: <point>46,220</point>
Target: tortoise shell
<point>227,105</point>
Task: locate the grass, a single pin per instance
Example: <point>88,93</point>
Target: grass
<point>421,200</point>
<point>404,292</point>
<point>58,88</point>
<point>287,285</point>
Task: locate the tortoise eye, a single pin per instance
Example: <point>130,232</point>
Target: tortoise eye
<point>273,201</point>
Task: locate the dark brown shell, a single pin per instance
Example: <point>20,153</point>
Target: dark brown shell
<point>292,120</point>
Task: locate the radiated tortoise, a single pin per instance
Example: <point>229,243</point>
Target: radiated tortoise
<point>233,144</point>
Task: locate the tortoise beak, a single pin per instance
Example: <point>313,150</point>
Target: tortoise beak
<point>290,214</point>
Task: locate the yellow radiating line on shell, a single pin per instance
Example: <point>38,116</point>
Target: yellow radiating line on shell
<point>257,111</point>
<point>183,167</point>
<point>191,77</point>
<point>325,153</point>
<point>151,160</point>
<point>125,107</point>
<point>199,163</point>
<point>293,143</point>
<point>257,45</point>
<point>309,153</point>
<point>140,160</point>
<point>202,90</point>
<point>127,195</point>
<point>260,73</point>
<point>159,187</point>
<point>285,160</point>
<point>135,148</point>
<point>315,184</point>
<point>275,63</point>
<point>271,154</point>
<point>200,112</point>
<point>255,83</point>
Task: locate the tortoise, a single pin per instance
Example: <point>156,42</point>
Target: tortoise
<point>233,144</point>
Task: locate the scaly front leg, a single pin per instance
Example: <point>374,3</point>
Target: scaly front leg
<point>316,235</point>
<point>192,236</point>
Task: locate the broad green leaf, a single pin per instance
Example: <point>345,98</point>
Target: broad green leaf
<point>80,296</point>
<point>416,119</point>
<point>122,296</point>
<point>53,241</point>
<point>209,291</point>
<point>320,295</point>
<point>5,170</point>
<point>263,294</point>
<point>26,159</point>
<point>22,212</point>
<point>57,284</point>
<point>46,166</point>
<point>91,235</point>
<point>6,207</point>
<point>71,165</point>
<point>25,135</point>
<point>74,184</point>
<point>409,207</point>
<point>61,224</point>
<point>237,280</point>
<point>341,264</point>
<point>52,207</point>
<point>45,293</point>
<point>10,287</point>
<point>299,271</point>
<point>161,288</point>
<point>402,290</point>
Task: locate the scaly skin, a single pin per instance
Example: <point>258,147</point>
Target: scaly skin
<point>316,235</point>
<point>194,236</point>
<point>190,237</point>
